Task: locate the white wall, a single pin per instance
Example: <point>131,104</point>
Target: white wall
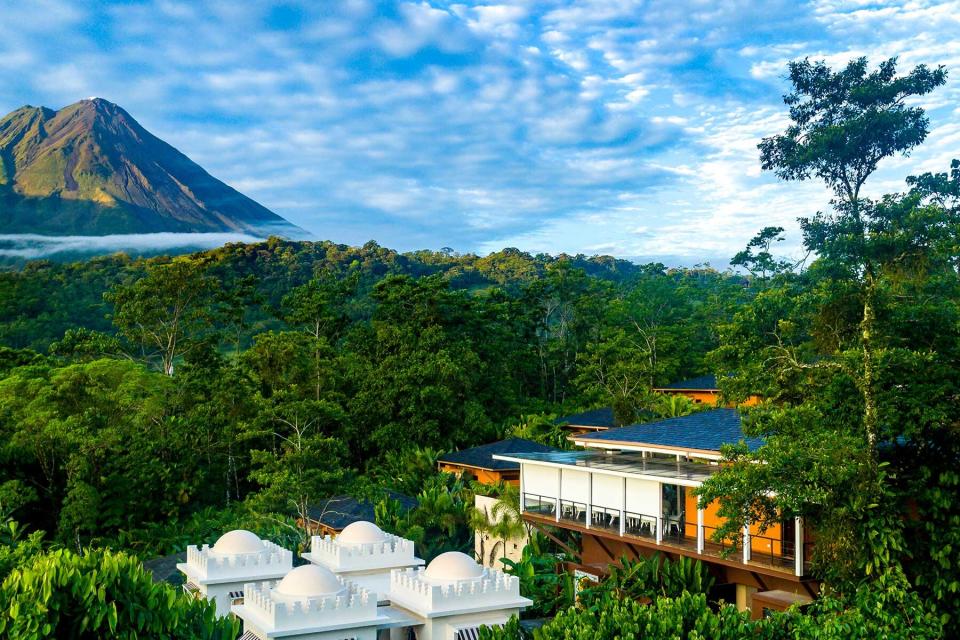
<point>540,480</point>
<point>607,491</point>
<point>575,486</point>
<point>483,544</point>
<point>643,496</point>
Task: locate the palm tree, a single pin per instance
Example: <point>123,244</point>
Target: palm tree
<point>503,521</point>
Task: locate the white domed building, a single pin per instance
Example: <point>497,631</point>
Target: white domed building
<point>218,573</point>
<point>454,596</point>
<point>310,603</point>
<point>364,554</point>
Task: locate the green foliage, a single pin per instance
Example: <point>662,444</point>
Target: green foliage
<point>167,312</point>
<point>503,521</point>
<point>543,579</point>
<point>543,429</point>
<point>205,527</point>
<point>762,264</point>
<point>100,594</point>
<point>885,609</point>
<point>858,357</point>
<point>406,470</point>
<point>686,616</point>
<point>845,122</point>
<point>651,578</point>
<point>440,521</point>
<point>17,547</point>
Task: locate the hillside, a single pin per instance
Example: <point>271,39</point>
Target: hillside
<point>91,169</point>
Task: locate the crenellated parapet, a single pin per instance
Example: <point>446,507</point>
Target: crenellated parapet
<point>393,551</point>
<point>413,589</point>
<point>278,612</point>
<point>207,565</point>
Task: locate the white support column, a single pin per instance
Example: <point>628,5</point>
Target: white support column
<point>559,488</point>
<point>623,507</point>
<point>660,513</point>
<point>798,547</point>
<point>746,543</point>
<point>589,500</point>
<point>522,500</point>
<point>700,536</point>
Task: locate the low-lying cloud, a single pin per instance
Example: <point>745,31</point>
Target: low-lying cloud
<point>32,246</point>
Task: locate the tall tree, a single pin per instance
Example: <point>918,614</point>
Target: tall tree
<point>166,312</point>
<point>843,124</point>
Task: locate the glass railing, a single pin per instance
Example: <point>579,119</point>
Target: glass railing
<point>540,505</point>
<point>640,525</point>
<point>605,518</point>
<point>675,533</point>
<point>575,512</point>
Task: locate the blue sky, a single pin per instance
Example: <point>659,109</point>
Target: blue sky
<point>619,127</point>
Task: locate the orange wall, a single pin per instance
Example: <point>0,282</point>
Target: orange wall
<point>483,476</point>
<point>710,398</point>
<point>711,519</point>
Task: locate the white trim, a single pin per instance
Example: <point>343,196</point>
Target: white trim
<point>608,472</point>
<point>746,543</point>
<point>559,491</point>
<point>589,517</point>
<point>642,448</point>
<point>623,509</point>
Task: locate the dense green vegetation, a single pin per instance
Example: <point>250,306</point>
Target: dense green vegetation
<point>149,403</point>
<point>297,368</point>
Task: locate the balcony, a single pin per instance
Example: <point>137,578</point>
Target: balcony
<point>673,533</point>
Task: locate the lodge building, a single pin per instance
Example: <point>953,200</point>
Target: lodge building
<point>630,492</point>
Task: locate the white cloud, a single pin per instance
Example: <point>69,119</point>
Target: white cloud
<point>601,125</point>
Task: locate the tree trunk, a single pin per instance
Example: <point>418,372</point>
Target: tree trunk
<point>869,400</point>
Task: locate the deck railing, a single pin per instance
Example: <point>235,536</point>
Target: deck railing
<point>541,505</point>
<point>675,531</point>
<point>640,525</point>
<point>725,548</point>
<point>572,511</point>
<point>772,552</point>
<point>605,518</point>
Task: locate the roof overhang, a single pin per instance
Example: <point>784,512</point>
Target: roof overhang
<point>708,454</point>
<point>687,474</point>
<point>473,466</point>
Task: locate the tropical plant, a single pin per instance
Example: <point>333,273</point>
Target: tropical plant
<point>101,594</point>
<point>542,579</point>
<point>502,522</point>
<point>542,428</point>
<point>649,578</point>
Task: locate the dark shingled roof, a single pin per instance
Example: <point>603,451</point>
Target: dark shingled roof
<point>705,430</point>
<point>703,383</point>
<point>164,568</point>
<point>339,511</point>
<point>593,418</point>
<point>482,457</point>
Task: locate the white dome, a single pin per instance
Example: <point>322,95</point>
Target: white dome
<point>238,541</point>
<point>309,581</point>
<point>451,567</point>
<point>361,532</point>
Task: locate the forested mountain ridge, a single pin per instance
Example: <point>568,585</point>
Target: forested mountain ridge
<point>92,169</point>
<point>43,299</point>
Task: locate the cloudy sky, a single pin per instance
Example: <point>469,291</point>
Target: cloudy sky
<point>605,126</point>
